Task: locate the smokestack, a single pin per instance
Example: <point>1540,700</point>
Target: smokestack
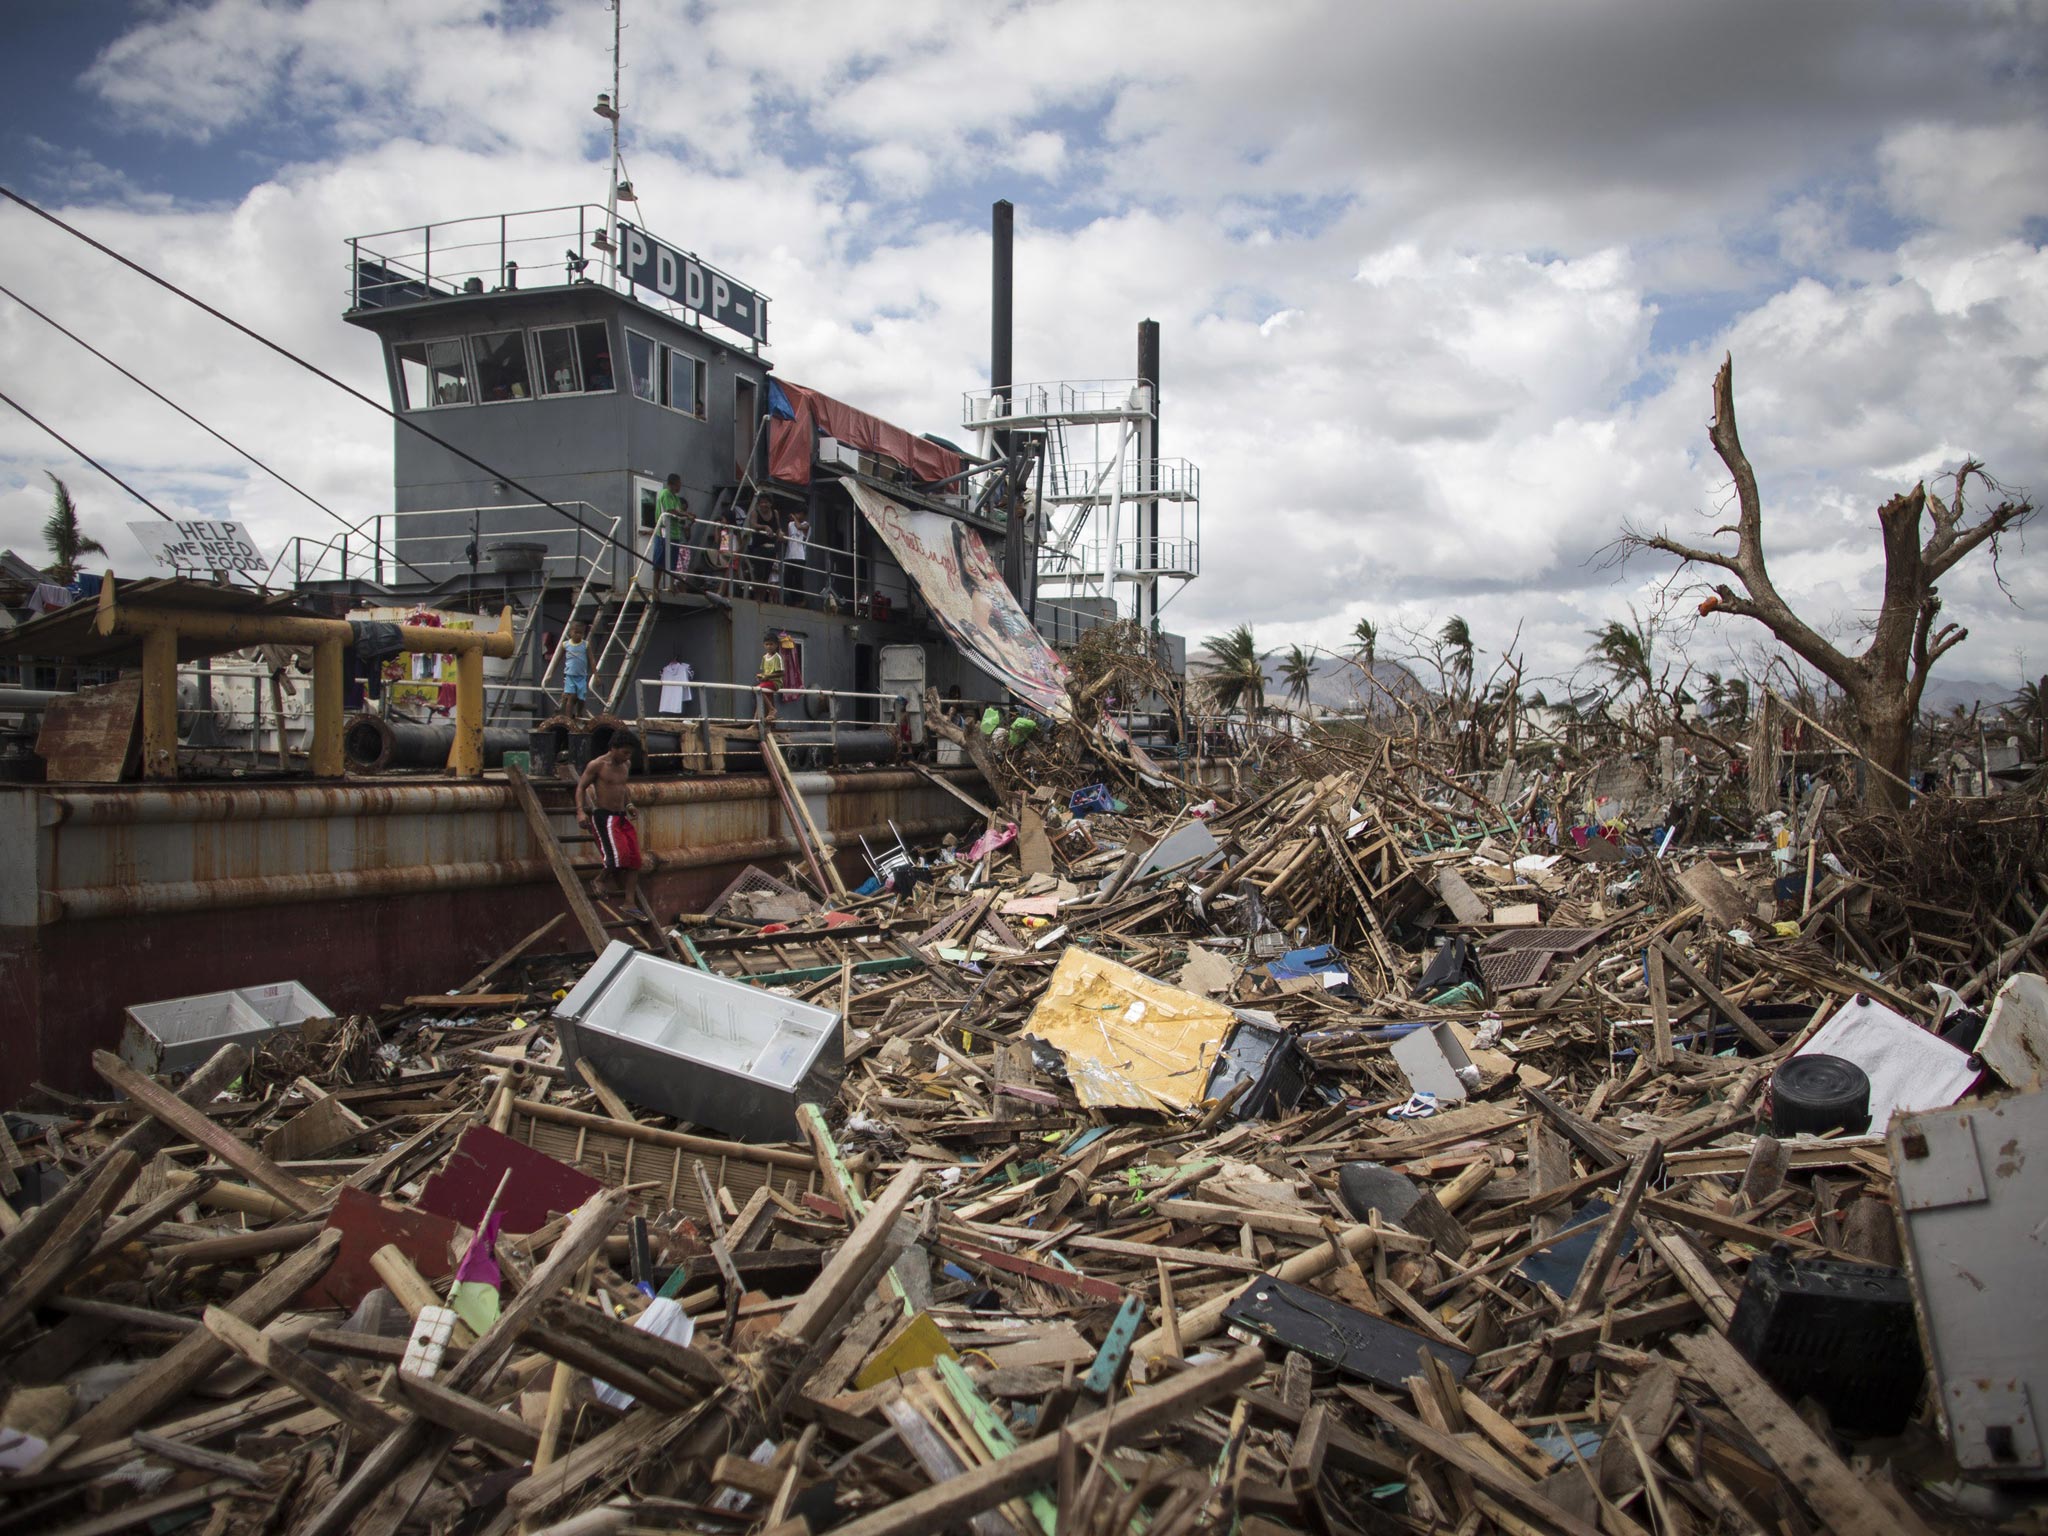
<point>1002,222</point>
<point>1148,468</point>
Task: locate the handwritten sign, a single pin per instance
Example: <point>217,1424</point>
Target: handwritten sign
<point>200,545</point>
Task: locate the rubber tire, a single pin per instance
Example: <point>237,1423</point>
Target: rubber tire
<point>1820,1093</point>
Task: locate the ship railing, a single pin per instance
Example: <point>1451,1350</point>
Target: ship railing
<point>828,575</point>
<point>1063,626</point>
<point>1071,400</point>
<point>438,543</point>
<point>1137,559</point>
<point>813,716</point>
<point>358,551</point>
<point>1136,480</point>
<point>566,246</point>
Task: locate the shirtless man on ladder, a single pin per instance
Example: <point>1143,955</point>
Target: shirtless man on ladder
<point>604,808</point>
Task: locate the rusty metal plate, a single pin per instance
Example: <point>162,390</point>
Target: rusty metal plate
<point>1562,941</point>
<point>1513,968</point>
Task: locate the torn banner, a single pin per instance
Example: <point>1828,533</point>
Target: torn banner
<point>959,579</point>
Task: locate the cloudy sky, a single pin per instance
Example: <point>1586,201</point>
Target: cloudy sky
<point>1442,288</point>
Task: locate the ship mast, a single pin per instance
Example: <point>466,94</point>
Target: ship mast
<point>608,107</point>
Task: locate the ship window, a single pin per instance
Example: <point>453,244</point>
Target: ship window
<point>685,378</point>
<point>643,357</point>
<point>432,373</point>
<point>666,376</point>
<point>501,366</point>
<point>574,359</point>
<point>556,349</point>
<point>594,350</point>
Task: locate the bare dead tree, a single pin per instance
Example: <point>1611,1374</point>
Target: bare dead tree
<point>1882,684</point>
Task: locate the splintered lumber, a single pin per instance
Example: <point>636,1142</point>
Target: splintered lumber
<point>1722,1004</point>
<point>1037,1462</point>
<point>195,1357</point>
<point>195,1126</point>
<point>465,1415</point>
<point>72,1243</point>
<point>144,1139</point>
<point>1518,1494</point>
<point>861,1259</point>
<point>391,1473</point>
<point>1843,1501</point>
<point>809,829</point>
<point>835,1361</point>
<point>580,906</point>
<point>489,973</point>
<point>294,1370</point>
<point>1593,1278</point>
<point>1199,1322</point>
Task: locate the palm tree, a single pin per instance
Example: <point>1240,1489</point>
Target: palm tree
<point>1367,635</point>
<point>1297,672</point>
<point>1237,674</point>
<point>1456,636</point>
<point>66,540</point>
<point>1623,653</point>
<point>2030,707</point>
<point>1735,702</point>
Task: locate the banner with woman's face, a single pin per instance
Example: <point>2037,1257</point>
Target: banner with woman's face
<point>959,579</point>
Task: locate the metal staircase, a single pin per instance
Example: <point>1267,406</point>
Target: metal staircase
<point>624,644</point>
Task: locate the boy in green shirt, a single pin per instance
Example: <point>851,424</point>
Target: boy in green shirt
<point>672,529</point>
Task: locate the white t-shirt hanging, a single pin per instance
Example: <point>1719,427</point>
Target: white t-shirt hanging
<point>794,548</point>
<point>675,689</point>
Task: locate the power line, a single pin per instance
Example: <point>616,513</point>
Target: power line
<point>603,536</point>
<point>211,432</point>
<point>95,463</point>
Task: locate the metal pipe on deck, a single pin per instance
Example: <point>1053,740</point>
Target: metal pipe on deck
<point>125,805</point>
<point>373,744</point>
<point>130,899</point>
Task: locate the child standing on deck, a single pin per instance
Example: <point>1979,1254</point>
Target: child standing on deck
<point>769,678</point>
<point>576,671</point>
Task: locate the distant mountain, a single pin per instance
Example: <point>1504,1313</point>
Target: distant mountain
<point>1945,693</point>
<point>1339,685</point>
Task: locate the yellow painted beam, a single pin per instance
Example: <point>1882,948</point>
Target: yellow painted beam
<point>160,705</point>
<point>327,710</point>
<point>466,752</point>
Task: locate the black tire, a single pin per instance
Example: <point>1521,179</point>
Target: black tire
<point>1820,1093</point>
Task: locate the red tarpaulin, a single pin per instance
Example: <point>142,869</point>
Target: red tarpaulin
<point>789,442</point>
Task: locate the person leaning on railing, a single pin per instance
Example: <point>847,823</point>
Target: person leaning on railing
<point>672,526</point>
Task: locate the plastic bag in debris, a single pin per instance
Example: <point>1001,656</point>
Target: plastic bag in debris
<point>664,1318</point>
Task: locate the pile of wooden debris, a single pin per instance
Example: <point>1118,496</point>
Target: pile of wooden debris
<point>1325,1157</point>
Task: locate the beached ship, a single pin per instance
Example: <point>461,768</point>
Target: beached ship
<point>548,371</point>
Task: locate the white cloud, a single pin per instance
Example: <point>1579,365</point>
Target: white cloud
<point>1409,263</point>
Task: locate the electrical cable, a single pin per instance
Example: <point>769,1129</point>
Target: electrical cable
<point>167,400</point>
<point>601,535</point>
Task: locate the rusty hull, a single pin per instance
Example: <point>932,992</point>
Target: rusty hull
<point>366,892</point>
